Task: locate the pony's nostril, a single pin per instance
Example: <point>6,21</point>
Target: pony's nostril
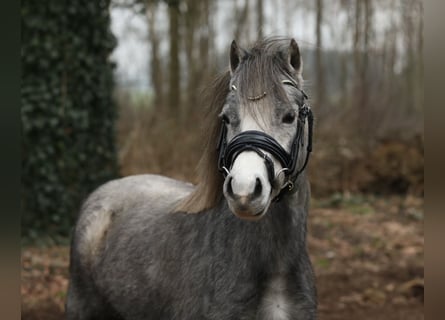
<point>229,187</point>
<point>258,188</point>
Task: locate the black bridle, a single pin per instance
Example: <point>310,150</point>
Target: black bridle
<point>261,142</point>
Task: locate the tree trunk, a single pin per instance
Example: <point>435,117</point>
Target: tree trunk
<point>174,69</point>
<point>318,57</point>
<point>204,41</point>
<point>191,19</point>
<point>260,19</point>
<point>357,37</point>
<point>156,63</point>
<point>419,61</point>
<point>364,83</point>
<point>241,20</point>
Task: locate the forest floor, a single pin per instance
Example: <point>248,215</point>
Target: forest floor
<point>367,254</point>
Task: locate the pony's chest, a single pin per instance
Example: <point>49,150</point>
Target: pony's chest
<point>275,303</point>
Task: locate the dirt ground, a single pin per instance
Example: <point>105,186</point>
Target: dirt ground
<point>367,254</point>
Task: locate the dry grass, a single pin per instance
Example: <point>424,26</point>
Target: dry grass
<point>151,141</point>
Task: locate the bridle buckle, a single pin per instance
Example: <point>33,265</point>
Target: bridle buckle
<point>290,185</point>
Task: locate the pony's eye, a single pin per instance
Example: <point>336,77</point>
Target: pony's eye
<point>288,83</point>
<point>225,118</point>
<point>289,117</point>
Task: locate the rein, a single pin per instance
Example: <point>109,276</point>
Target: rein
<point>260,142</point>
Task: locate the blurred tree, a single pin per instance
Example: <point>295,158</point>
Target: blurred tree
<point>412,32</point>
<point>241,21</point>
<point>174,94</point>
<point>197,45</point>
<point>192,20</point>
<point>357,50</point>
<point>67,113</point>
<point>189,34</point>
<point>361,44</point>
<point>260,19</point>
<point>368,15</point>
<point>155,65</point>
<point>206,40</point>
<point>319,61</point>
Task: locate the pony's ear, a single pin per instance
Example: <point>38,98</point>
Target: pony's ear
<point>294,57</point>
<point>235,56</point>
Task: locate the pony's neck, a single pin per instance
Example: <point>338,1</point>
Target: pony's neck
<point>275,237</point>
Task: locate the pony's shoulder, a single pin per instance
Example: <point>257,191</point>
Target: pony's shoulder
<point>153,180</point>
<point>127,195</point>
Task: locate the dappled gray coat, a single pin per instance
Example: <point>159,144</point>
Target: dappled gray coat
<point>150,247</point>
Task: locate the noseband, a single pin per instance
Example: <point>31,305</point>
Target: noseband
<point>261,142</point>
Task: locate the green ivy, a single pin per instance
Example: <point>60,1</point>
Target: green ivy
<point>67,112</point>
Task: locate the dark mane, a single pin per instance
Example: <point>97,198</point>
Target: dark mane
<point>260,71</point>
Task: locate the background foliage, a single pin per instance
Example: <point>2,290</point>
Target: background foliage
<point>363,72</point>
<point>67,112</point>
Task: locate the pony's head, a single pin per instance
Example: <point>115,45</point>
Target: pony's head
<point>260,145</point>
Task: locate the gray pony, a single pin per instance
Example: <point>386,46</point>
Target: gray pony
<point>234,245</point>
